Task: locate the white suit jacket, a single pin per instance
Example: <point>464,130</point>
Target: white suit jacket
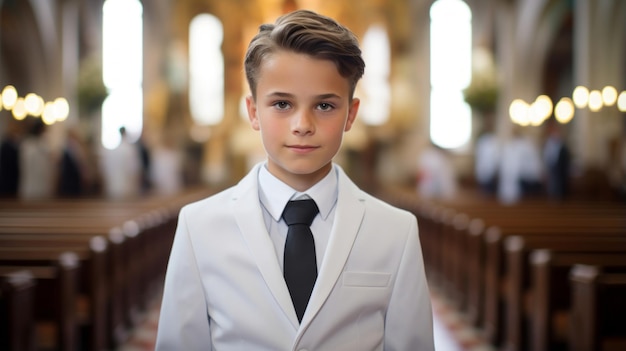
<point>224,289</point>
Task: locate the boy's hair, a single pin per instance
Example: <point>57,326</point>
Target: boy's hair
<point>306,32</point>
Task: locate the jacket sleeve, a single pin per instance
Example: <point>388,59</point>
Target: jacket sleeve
<point>184,321</point>
<point>409,320</point>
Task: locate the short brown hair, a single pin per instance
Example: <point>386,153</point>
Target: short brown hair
<point>306,32</point>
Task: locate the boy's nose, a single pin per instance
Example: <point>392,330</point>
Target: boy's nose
<point>303,123</point>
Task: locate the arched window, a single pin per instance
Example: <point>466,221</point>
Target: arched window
<point>376,101</point>
<point>450,73</point>
<point>206,69</point>
<point>122,70</point>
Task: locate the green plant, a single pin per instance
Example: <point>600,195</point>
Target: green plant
<point>482,94</point>
<point>91,89</point>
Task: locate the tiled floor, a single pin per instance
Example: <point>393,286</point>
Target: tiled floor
<point>143,338</point>
<point>451,333</point>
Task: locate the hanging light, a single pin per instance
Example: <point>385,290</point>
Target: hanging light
<point>19,109</point>
<point>621,101</point>
<point>580,96</point>
<point>49,113</point>
<point>595,100</point>
<point>519,110</point>
<point>609,95</point>
<point>543,108</point>
<point>9,97</point>
<point>564,110</point>
<point>62,108</point>
<point>34,104</point>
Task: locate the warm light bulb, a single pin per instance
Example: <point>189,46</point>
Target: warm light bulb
<point>580,96</point>
<point>564,110</point>
<point>49,113</point>
<point>609,95</point>
<point>544,106</point>
<point>535,114</point>
<point>62,108</point>
<point>595,100</point>
<point>19,109</point>
<point>518,110</point>
<point>9,97</point>
<point>33,104</point>
<point>621,101</point>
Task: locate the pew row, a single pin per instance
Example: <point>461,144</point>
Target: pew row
<point>136,237</point>
<point>598,309</point>
<point>17,289</point>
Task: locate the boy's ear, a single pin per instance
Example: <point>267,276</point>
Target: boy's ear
<point>252,112</point>
<point>352,112</point>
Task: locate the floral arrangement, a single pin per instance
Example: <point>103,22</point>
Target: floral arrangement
<point>482,93</point>
<point>91,89</point>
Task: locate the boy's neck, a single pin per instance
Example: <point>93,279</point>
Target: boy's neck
<point>300,182</point>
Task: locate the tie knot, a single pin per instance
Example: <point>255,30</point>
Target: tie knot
<point>300,212</point>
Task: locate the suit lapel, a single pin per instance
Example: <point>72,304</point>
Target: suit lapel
<point>348,216</point>
<point>246,209</point>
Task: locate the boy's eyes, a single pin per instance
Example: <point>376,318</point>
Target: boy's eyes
<point>283,105</point>
<point>324,106</point>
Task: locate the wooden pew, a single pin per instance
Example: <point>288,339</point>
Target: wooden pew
<point>137,235</point>
<point>17,288</point>
<point>54,301</point>
<point>549,310</point>
<point>518,282</point>
<point>129,271</point>
<point>506,266</point>
<point>465,260</point>
<point>470,279</point>
<point>598,309</point>
<point>97,292</point>
<point>480,257</point>
<point>129,265</point>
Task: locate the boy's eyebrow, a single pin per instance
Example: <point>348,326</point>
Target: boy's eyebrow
<point>329,96</point>
<point>279,94</point>
<point>289,95</point>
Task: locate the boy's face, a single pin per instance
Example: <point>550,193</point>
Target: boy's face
<point>302,109</point>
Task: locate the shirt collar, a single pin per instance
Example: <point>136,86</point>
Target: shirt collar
<point>274,194</point>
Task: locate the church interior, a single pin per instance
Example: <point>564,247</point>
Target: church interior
<point>500,124</point>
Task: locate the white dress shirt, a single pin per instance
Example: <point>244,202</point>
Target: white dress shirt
<point>275,194</point>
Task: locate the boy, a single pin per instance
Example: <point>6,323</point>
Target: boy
<point>228,284</point>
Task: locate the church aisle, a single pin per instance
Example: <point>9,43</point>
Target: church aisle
<point>451,333</point>
<point>143,338</point>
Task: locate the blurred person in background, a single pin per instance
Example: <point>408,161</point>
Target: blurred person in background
<point>436,177</point>
<point>556,157</point>
<point>145,156</point>
<point>520,169</point>
<point>487,161</point>
<point>9,161</point>
<point>166,171</point>
<point>37,164</point>
<point>75,175</point>
<point>121,169</point>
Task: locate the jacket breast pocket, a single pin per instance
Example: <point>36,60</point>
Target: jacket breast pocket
<point>366,279</point>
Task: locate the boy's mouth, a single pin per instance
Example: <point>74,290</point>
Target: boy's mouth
<point>302,148</point>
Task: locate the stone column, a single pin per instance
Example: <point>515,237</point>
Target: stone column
<point>598,61</point>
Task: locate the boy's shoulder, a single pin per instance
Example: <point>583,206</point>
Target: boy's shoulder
<point>217,200</point>
<point>383,207</point>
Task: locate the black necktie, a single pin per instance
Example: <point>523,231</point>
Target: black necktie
<point>300,266</point>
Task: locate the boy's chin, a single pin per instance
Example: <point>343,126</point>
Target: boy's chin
<point>305,171</point>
